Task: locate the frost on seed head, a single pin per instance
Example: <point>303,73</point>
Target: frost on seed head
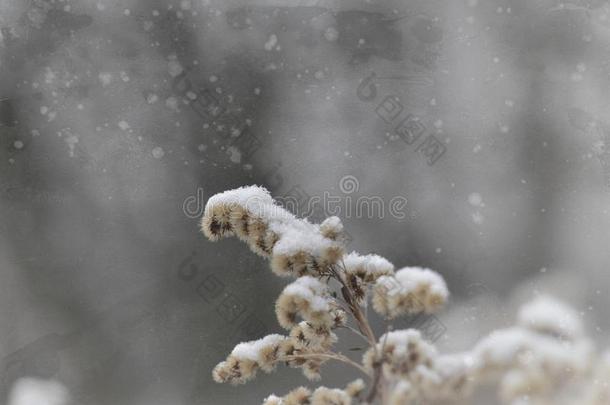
<point>332,228</point>
<point>246,358</point>
<point>367,267</point>
<point>295,246</point>
<point>309,299</point>
<point>548,315</point>
<point>401,352</point>
<point>543,358</point>
<point>320,396</point>
<point>410,290</point>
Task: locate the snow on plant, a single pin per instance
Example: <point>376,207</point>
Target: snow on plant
<point>545,358</point>
<point>36,391</point>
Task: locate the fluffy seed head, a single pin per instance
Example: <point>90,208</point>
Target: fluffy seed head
<point>410,290</point>
<point>308,298</point>
<point>331,228</point>
<point>246,358</point>
<point>330,396</point>
<point>367,267</point>
<point>401,352</point>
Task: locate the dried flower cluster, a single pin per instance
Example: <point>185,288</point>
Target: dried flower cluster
<point>410,290</point>
<point>545,358</point>
<point>308,298</point>
<point>320,396</point>
<point>294,246</point>
<point>246,358</point>
<point>533,359</point>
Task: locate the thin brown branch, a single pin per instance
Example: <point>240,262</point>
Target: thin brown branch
<point>354,307</point>
<point>355,332</point>
<point>331,356</point>
<point>365,328</point>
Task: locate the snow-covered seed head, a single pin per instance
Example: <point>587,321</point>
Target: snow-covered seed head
<point>331,254</point>
<point>239,219</point>
<point>456,375</point>
<point>234,371</point>
<point>410,290</point>
<point>290,347</point>
<point>273,400</point>
<point>402,393</point>
<point>262,240</point>
<point>225,212</point>
<point>303,344</point>
<point>360,271</point>
<point>308,298</point>
<point>295,246</point>
<point>367,267</point>
<point>357,286</point>
<point>321,396</point>
<point>298,396</point>
<point>311,369</point>
<point>302,258</point>
<point>309,337</point>
<point>549,316</point>
<point>520,383</point>
<point>332,228</point>
<point>246,358</point>
<point>285,265</point>
<point>401,352</point>
<point>216,223</point>
<point>529,363</point>
<point>355,388</point>
<point>330,396</point>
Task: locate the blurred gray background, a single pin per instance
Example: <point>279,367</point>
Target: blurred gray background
<point>119,119</point>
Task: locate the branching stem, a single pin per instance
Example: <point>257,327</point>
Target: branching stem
<point>365,328</point>
<point>331,356</point>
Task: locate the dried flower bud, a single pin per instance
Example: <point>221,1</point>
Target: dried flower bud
<point>402,393</point>
<point>311,369</point>
<point>549,316</point>
<point>295,246</point>
<point>367,267</point>
<point>332,228</point>
<point>400,352</point>
<point>223,210</point>
<point>304,250</point>
<point>306,340</point>
<point>514,347</point>
<point>321,396</point>
<point>355,388</point>
<point>308,298</point>
<point>273,400</point>
<point>455,373</point>
<point>330,396</point>
<point>308,336</point>
<point>519,383</point>
<point>410,290</point>
<point>298,396</point>
<point>216,223</point>
<point>246,358</point>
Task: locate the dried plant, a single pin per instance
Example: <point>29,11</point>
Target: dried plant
<point>545,358</point>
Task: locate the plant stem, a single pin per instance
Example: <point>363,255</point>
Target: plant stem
<point>355,332</point>
<point>354,308</point>
<point>375,384</point>
<point>331,355</point>
<point>364,327</point>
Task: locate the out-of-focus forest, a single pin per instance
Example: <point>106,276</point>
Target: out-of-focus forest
<point>119,119</point>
